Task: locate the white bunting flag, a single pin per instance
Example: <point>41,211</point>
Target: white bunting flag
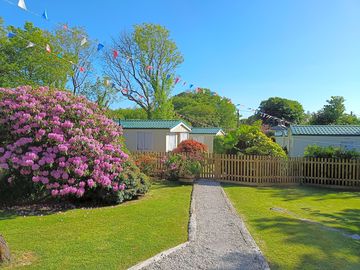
<point>21,4</point>
<point>83,41</point>
<point>48,49</point>
<point>30,45</point>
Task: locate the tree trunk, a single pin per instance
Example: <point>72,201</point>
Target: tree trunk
<point>149,114</point>
<point>4,251</point>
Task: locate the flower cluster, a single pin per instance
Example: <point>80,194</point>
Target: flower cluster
<point>58,141</point>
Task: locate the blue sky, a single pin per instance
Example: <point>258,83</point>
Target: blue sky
<point>305,50</point>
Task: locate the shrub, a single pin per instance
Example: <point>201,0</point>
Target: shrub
<point>191,147</point>
<point>147,163</point>
<point>52,142</point>
<point>249,140</point>
<point>315,151</point>
<point>185,160</point>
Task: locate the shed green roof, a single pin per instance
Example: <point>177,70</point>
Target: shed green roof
<point>205,130</point>
<point>325,130</point>
<point>150,124</point>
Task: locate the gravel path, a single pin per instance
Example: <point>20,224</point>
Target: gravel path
<point>221,239</point>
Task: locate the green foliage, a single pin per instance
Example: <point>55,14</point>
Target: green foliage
<point>100,93</point>
<point>127,113</point>
<point>248,140</point>
<point>315,151</point>
<point>334,113</point>
<point>290,110</point>
<point>82,55</point>
<point>31,66</point>
<point>146,67</point>
<point>201,108</point>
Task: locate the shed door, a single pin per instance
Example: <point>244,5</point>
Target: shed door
<point>171,142</point>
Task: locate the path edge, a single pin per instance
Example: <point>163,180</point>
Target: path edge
<point>191,237</point>
<point>245,232</point>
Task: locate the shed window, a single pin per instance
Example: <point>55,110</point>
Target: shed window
<point>144,141</point>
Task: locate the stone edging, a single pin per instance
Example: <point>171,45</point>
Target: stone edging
<point>191,237</point>
<point>246,234</point>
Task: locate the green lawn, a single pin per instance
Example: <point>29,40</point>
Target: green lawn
<point>289,243</point>
<point>103,238</point>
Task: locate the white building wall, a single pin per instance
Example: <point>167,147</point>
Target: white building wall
<point>297,144</point>
<point>206,139</point>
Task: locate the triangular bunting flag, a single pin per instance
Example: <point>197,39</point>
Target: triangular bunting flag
<point>149,68</point>
<point>47,48</point>
<point>21,4</point>
<point>83,41</point>
<point>10,35</point>
<point>168,76</point>
<point>100,46</point>
<point>115,53</point>
<point>177,80</point>
<point>81,69</point>
<point>59,55</point>
<point>65,27</point>
<point>191,85</point>
<point>44,15</point>
<point>30,45</point>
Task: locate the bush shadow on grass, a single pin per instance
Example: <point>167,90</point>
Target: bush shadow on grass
<point>332,247</point>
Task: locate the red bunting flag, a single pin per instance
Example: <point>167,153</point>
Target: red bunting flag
<point>65,27</point>
<point>47,48</point>
<point>81,69</point>
<point>149,68</point>
<point>115,53</point>
<point>125,91</point>
<point>177,80</point>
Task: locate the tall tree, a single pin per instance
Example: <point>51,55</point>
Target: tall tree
<point>24,63</point>
<point>76,43</point>
<point>290,110</point>
<point>204,108</point>
<point>143,64</point>
<point>331,113</point>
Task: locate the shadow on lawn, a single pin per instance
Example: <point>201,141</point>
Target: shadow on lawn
<point>319,194</point>
<point>332,247</point>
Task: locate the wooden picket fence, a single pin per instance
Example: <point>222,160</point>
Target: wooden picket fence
<point>265,170</point>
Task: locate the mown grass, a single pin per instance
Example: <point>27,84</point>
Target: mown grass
<point>101,238</point>
<point>289,243</point>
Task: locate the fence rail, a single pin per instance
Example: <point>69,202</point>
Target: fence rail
<point>265,170</point>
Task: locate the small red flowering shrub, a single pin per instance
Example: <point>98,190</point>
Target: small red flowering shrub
<point>186,160</point>
<point>191,147</point>
<point>63,145</point>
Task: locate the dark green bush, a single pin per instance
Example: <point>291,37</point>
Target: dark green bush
<point>315,151</point>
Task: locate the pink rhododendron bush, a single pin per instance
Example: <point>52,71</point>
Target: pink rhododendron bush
<point>55,144</point>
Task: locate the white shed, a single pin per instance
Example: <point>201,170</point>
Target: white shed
<point>154,135</point>
<point>300,136</point>
<point>206,136</point>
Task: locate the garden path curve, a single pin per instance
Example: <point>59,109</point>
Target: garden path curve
<point>221,239</point>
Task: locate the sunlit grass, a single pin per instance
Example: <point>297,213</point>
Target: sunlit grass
<point>102,238</point>
<point>288,242</point>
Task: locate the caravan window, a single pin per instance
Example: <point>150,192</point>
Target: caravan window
<point>144,141</point>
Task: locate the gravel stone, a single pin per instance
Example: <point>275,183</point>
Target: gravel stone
<point>221,239</point>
